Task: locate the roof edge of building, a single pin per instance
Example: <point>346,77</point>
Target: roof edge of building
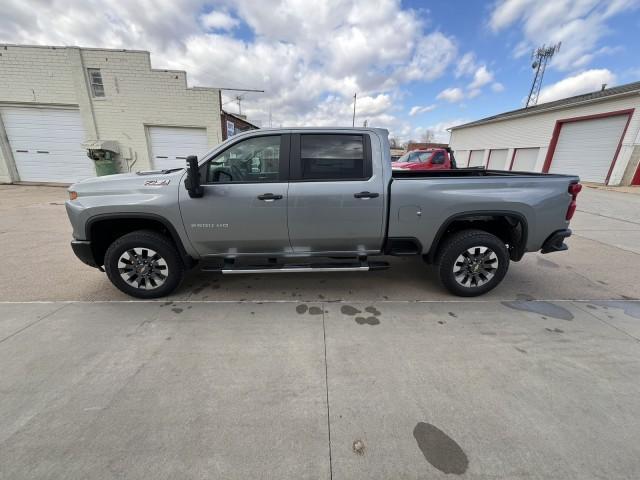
<point>566,103</point>
<point>240,118</point>
<point>62,47</point>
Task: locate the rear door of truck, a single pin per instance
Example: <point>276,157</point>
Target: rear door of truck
<point>336,193</point>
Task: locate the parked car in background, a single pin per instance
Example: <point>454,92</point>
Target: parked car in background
<point>430,159</point>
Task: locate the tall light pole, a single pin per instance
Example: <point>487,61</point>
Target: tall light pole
<point>353,121</point>
<point>540,57</point>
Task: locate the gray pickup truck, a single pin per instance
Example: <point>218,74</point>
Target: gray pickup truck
<point>314,200</point>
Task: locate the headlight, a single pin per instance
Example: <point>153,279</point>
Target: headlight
<point>73,195</point>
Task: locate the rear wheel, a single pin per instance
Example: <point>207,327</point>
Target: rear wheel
<point>144,264</point>
<point>472,262</point>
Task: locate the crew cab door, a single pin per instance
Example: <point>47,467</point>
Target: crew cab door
<point>336,194</point>
<point>244,206</point>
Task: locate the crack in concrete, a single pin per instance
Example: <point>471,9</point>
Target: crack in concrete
<point>33,323</point>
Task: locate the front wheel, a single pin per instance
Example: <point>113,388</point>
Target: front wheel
<point>472,262</point>
<point>144,264</point>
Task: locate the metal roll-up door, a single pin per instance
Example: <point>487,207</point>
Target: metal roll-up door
<point>587,147</point>
<point>170,146</point>
<point>46,144</point>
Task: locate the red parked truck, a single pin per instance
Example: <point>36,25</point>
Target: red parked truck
<point>426,159</point>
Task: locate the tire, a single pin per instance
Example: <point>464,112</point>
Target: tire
<point>144,264</point>
<point>467,262</point>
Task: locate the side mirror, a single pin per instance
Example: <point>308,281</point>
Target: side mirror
<point>192,182</point>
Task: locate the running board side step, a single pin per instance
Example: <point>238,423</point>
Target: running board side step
<point>300,268</point>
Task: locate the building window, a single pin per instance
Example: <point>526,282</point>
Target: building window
<point>95,80</point>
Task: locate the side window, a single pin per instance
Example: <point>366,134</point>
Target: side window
<point>438,158</point>
<point>95,80</point>
<point>332,157</point>
<point>424,157</point>
<point>414,157</point>
<point>253,160</point>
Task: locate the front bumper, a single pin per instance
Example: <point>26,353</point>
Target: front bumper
<point>555,242</point>
<point>83,250</point>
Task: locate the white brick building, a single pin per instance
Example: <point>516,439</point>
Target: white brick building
<point>54,99</point>
<point>595,136</point>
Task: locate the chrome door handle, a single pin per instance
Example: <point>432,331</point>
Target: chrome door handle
<point>366,195</point>
<point>269,197</point>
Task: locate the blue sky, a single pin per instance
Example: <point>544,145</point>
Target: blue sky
<point>616,39</point>
<point>417,66</point>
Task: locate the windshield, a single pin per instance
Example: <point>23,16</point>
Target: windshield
<point>415,157</point>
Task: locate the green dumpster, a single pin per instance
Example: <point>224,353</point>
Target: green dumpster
<point>105,167</point>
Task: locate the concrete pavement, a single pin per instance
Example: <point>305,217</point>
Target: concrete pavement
<point>476,389</point>
<point>373,375</point>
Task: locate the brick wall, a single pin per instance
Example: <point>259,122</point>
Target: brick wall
<point>136,96</point>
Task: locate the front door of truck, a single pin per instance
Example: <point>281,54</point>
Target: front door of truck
<point>244,206</point>
<point>336,194</point>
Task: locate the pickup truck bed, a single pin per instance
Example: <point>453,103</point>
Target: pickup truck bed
<point>422,199</point>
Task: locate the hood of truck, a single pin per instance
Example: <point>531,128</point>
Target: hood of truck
<point>143,182</point>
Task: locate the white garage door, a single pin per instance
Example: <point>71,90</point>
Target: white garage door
<point>476,159</point>
<point>525,159</point>
<point>170,146</point>
<point>587,147</point>
<point>498,159</point>
<point>462,157</point>
<point>46,144</point>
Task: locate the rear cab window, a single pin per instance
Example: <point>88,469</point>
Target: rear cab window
<point>330,157</point>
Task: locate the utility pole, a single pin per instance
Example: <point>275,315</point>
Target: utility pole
<point>540,58</point>
<point>353,121</point>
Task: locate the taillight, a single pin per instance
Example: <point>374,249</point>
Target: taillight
<point>574,190</point>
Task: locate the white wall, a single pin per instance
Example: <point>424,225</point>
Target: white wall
<point>537,130</point>
<point>136,96</point>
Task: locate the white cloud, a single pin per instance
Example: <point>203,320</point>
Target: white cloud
<point>433,54</point>
<point>452,95</point>
<point>497,87</point>
<point>466,65</point>
<point>584,82</point>
<point>508,11</point>
<point>309,57</point>
<point>578,24</point>
<point>440,129</point>
<point>474,92</point>
<point>481,77</point>
<point>418,109</point>
<point>216,20</point>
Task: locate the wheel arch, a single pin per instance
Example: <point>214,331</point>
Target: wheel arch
<point>510,226</point>
<point>102,229</point>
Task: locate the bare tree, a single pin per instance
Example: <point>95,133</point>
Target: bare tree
<point>408,142</point>
<point>394,143</point>
<point>428,136</point>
